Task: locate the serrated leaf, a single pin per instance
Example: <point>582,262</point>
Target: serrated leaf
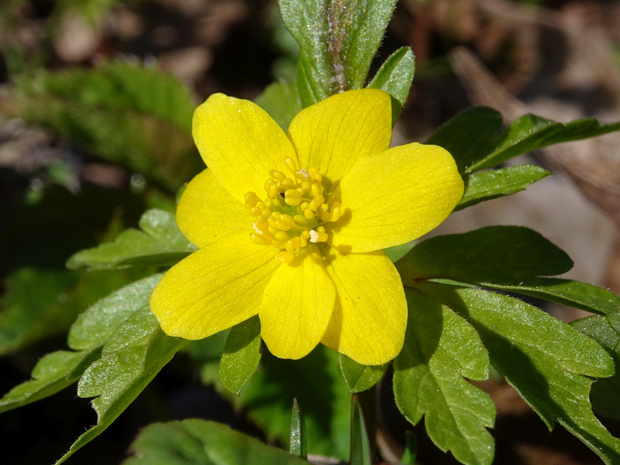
<point>281,100</point>
<point>440,350</point>
<point>469,136</point>
<point>99,322</point>
<point>549,363</point>
<point>605,394</point>
<point>241,354</point>
<point>298,444</point>
<point>192,442</point>
<point>480,187</point>
<point>130,114</point>
<point>360,446</point>
<point>491,254</point>
<point>531,132</point>
<point>130,359</point>
<point>159,242</point>
<point>52,373</point>
<point>267,397</point>
<point>395,77</point>
<point>338,42</point>
<point>360,377</point>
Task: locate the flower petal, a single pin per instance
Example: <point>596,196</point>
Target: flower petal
<point>395,197</point>
<point>214,288</point>
<point>336,132</point>
<point>370,315</point>
<point>240,143</point>
<point>207,212</point>
<point>297,306</point>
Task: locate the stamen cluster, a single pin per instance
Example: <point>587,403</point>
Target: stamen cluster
<point>294,212</point>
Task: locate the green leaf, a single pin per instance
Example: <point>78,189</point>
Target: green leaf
<point>338,41</point>
<point>267,397</point>
<point>488,185</point>
<point>241,354</point>
<point>298,444</point>
<point>531,132</point>
<point>129,114</point>
<point>159,242</point>
<point>605,330</point>
<point>360,446</point>
<point>130,359</point>
<point>549,363</point>
<point>491,254</point>
<point>469,136</point>
<point>564,291</point>
<point>99,322</point>
<point>54,372</point>
<point>281,100</point>
<point>360,377</point>
<point>440,349</point>
<point>395,77</point>
<point>193,442</point>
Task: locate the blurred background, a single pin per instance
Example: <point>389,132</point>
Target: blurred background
<point>83,155</point>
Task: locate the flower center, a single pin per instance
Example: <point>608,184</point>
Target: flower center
<point>294,212</point>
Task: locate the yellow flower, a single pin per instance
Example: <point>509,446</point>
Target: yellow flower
<point>291,226</point>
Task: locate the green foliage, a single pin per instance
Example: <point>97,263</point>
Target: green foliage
<point>360,377</point>
<point>159,242</point>
<point>490,254</point>
<point>475,140</point>
<point>192,442</point>
<point>441,350</point>
<point>241,355</point>
<point>54,372</point>
<point>488,185</point>
<point>266,398</point>
<point>338,41</point>
<point>298,444</point>
<point>606,331</point>
<point>360,446</point>
<point>549,363</point>
<point>394,77</point>
<point>129,114</point>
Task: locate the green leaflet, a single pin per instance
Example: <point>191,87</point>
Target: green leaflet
<point>338,40</point>
<point>549,363</point>
<point>394,77</point>
<point>298,443</point>
<point>491,254</point>
<point>487,185</point>
<point>241,354</point>
<point>606,331</point>
<point>360,377</point>
<point>441,349</point>
<point>475,140</point>
<point>130,359</point>
<point>531,132</point>
<point>507,258</point>
<point>360,446</point>
<point>54,372</point>
<point>158,242</point>
<point>469,135</point>
<point>192,442</point>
